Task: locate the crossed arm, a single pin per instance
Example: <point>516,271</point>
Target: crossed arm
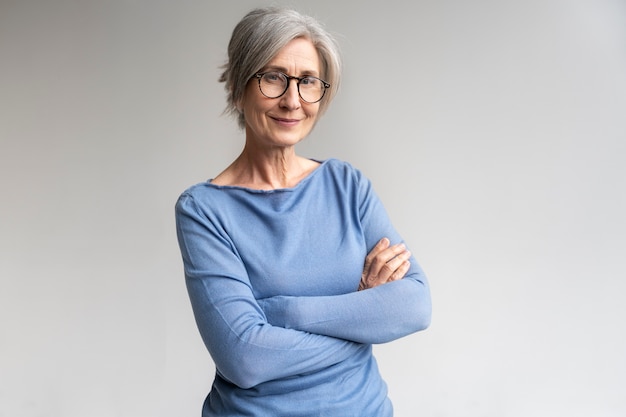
<point>253,341</point>
<point>377,313</point>
<point>393,298</point>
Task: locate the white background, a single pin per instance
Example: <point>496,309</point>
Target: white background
<point>494,131</point>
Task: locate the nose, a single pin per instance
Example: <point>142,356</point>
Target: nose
<point>291,99</point>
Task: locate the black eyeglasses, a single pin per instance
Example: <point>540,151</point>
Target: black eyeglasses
<point>274,84</point>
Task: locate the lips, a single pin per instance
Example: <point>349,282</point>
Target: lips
<point>285,121</point>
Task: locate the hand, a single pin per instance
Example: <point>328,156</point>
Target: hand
<point>384,264</point>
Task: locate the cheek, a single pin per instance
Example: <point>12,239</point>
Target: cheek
<point>312,110</point>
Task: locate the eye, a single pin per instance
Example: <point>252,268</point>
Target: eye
<point>309,82</point>
<point>274,77</point>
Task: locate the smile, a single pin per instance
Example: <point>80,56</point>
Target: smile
<point>286,122</point>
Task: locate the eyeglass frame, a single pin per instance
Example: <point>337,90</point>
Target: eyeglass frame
<point>259,77</point>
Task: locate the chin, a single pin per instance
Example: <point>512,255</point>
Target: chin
<point>290,138</point>
<point>288,141</point>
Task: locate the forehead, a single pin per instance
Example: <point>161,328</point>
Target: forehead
<point>298,56</point>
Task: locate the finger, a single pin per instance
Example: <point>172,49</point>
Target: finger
<point>382,245</point>
<point>392,251</point>
<point>379,263</point>
<point>400,272</point>
<point>394,270</point>
<point>398,261</point>
<point>391,267</point>
<point>376,250</point>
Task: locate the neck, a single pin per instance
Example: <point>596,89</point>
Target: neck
<point>269,169</point>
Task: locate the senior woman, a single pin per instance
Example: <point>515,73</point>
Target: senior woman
<point>292,265</point>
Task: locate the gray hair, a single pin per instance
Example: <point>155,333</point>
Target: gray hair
<point>259,36</point>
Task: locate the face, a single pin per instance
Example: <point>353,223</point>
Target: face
<point>286,120</point>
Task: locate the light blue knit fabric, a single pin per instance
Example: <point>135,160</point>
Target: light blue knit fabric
<point>273,277</point>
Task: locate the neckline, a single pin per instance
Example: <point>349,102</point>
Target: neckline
<point>304,180</point>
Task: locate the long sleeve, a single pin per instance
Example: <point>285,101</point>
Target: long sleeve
<point>376,315</point>
<point>246,349</point>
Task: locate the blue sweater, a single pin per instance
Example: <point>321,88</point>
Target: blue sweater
<point>273,277</point>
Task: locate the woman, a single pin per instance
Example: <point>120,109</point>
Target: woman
<point>292,265</point>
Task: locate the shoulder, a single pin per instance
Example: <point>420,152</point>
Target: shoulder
<point>345,172</point>
<point>196,191</point>
<point>339,167</point>
<point>337,164</point>
<point>196,196</point>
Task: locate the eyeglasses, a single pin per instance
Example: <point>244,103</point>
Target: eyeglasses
<point>274,84</point>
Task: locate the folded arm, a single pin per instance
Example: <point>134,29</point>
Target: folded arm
<point>376,313</point>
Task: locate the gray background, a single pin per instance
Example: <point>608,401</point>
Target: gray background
<point>494,132</point>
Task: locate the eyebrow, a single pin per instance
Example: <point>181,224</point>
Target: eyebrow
<point>312,73</point>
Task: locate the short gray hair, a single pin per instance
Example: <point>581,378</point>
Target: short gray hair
<point>259,36</point>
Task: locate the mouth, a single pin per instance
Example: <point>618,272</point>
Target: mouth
<point>285,121</point>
